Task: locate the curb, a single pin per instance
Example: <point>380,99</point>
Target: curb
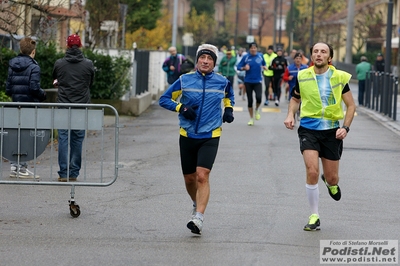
<point>386,121</point>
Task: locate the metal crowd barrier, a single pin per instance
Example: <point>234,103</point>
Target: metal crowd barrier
<point>28,134</point>
<point>381,92</point>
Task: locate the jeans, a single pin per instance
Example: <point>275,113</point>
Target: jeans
<point>361,91</point>
<point>75,152</point>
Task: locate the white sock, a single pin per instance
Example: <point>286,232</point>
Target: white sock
<point>313,197</point>
<point>200,215</point>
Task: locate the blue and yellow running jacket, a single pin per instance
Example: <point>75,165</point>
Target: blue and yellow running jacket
<point>206,91</point>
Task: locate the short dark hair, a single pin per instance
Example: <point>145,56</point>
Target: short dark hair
<point>298,55</point>
<point>329,46</point>
<point>27,45</point>
<point>253,44</point>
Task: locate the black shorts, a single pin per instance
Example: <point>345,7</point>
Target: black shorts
<point>197,152</point>
<point>323,141</point>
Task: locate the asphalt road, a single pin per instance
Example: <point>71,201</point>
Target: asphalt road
<point>255,216</point>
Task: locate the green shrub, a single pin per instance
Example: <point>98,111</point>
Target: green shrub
<point>111,78</point>
<point>46,56</point>
<point>5,56</point>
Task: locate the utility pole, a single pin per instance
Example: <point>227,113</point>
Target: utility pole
<point>388,54</point>
<point>251,18</point>
<point>175,23</point>
<point>349,38</point>
<point>237,22</point>
<point>275,18</point>
<point>291,25</point>
<point>124,11</point>
<point>280,22</point>
<point>312,24</point>
<point>388,60</point>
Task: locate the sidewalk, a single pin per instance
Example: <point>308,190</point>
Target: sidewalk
<point>379,117</point>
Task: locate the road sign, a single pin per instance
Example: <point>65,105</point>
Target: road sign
<point>250,38</point>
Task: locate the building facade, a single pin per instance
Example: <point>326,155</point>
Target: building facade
<point>265,20</point>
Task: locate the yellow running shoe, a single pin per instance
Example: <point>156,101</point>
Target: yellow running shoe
<point>313,223</point>
<point>251,122</point>
<point>334,191</point>
<point>258,115</point>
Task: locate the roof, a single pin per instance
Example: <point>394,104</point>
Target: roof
<point>75,11</point>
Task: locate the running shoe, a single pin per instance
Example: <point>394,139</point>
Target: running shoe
<point>276,103</point>
<point>334,191</point>
<point>23,173</point>
<point>266,103</point>
<point>258,115</point>
<point>251,122</point>
<point>195,225</point>
<point>313,223</point>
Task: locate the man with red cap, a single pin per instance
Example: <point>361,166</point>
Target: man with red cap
<point>73,75</point>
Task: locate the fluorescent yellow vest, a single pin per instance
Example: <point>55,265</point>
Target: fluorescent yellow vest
<point>311,104</point>
<point>268,60</point>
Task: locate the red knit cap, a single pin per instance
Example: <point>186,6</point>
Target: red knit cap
<point>74,40</point>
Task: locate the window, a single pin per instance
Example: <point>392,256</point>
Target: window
<point>253,21</point>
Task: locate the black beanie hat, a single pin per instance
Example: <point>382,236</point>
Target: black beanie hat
<point>209,52</point>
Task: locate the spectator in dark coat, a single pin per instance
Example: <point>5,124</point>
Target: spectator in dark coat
<point>380,63</point>
<point>23,85</point>
<point>73,75</point>
<point>23,82</point>
<point>172,65</point>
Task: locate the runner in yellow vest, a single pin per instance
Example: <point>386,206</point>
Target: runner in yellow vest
<point>321,89</point>
<point>268,74</point>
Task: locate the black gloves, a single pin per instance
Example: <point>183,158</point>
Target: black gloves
<point>228,115</point>
<point>188,112</point>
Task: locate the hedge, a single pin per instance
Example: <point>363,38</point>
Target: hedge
<point>111,77</point>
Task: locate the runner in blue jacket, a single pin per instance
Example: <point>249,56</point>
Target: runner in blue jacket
<point>200,119</point>
<point>253,63</point>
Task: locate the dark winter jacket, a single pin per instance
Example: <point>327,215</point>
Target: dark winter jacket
<point>278,65</point>
<point>175,61</point>
<point>23,82</point>
<point>74,74</point>
<point>380,65</point>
